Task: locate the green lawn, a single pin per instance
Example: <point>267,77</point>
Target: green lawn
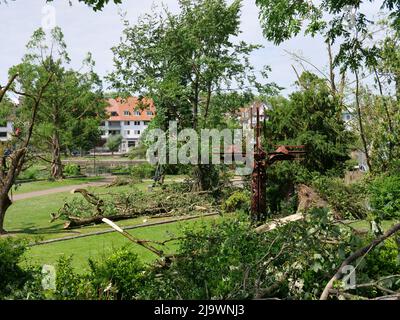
<point>30,219</point>
<point>363,225</point>
<point>44,185</point>
<point>102,245</point>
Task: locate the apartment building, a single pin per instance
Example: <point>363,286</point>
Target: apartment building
<point>128,118</point>
<point>248,114</point>
<point>6,129</point>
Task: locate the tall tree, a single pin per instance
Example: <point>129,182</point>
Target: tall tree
<point>344,23</point>
<point>310,116</point>
<point>73,102</point>
<point>96,5</point>
<point>12,162</point>
<point>182,61</point>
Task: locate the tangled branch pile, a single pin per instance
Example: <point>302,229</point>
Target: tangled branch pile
<point>172,200</point>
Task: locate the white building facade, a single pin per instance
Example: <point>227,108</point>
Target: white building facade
<point>6,130</point>
<point>128,118</point>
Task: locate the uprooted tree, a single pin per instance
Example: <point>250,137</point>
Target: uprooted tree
<point>174,200</point>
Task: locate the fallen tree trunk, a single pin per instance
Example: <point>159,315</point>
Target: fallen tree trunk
<point>75,222</point>
<point>279,222</point>
<point>358,254</point>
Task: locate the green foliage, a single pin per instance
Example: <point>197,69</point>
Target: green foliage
<point>312,116</point>
<point>384,260</point>
<point>187,62</point>
<point>138,152</point>
<point>113,142</point>
<point>229,260</point>
<point>29,174</point>
<point>348,23</point>
<point>348,201</point>
<point>72,106</point>
<point>143,171</point>
<point>116,276</point>
<point>16,282</point>
<point>239,200</point>
<point>385,196</point>
<point>97,5</point>
<point>69,284</point>
<point>72,169</point>
<point>120,275</point>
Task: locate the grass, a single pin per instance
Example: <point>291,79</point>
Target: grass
<point>44,185</point>
<point>30,219</point>
<point>102,245</point>
<point>363,225</point>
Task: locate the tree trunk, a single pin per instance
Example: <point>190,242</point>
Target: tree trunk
<point>205,177</point>
<point>361,125</point>
<point>56,164</point>
<point>5,203</point>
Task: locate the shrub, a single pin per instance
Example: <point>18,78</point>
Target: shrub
<point>143,171</point>
<point>385,196</point>
<point>239,200</point>
<point>347,200</point>
<point>72,170</point>
<point>16,282</point>
<point>138,152</point>
<point>29,174</point>
<point>119,276</point>
<point>229,260</point>
<point>69,284</point>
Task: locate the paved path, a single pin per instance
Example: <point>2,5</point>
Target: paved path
<point>46,192</point>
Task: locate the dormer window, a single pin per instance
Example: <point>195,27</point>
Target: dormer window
<point>127,113</point>
<point>149,113</point>
<point>137,113</point>
<point>114,114</point>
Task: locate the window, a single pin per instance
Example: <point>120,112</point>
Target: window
<point>114,124</point>
<point>114,132</point>
<point>102,124</point>
<point>128,132</point>
<point>3,134</point>
<point>127,123</point>
<point>137,123</point>
<point>137,131</point>
<point>131,144</point>
<point>146,123</point>
<point>114,114</point>
<point>149,113</point>
<point>137,113</point>
<point>127,113</point>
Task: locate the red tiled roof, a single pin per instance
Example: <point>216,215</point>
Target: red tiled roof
<point>131,104</point>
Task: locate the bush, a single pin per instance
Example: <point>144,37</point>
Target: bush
<point>69,284</point>
<point>138,152</point>
<point>29,174</point>
<point>350,201</point>
<point>385,196</point>
<point>239,200</point>
<point>72,170</point>
<point>118,276</point>
<point>229,260</point>
<point>16,282</point>
<point>143,171</point>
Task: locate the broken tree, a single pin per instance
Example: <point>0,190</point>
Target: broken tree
<point>12,161</point>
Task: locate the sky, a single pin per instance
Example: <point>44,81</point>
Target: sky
<point>97,32</point>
